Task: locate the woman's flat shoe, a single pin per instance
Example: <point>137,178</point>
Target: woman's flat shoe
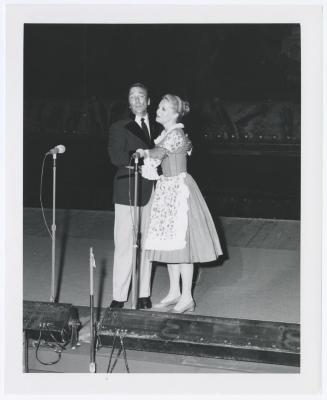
<point>166,304</point>
<point>188,308</point>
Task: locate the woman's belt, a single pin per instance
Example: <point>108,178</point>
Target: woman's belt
<point>169,174</point>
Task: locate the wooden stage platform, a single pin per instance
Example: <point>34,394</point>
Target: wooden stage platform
<point>258,279</point>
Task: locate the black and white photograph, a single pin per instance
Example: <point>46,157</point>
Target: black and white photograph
<point>222,216</point>
<point>162,198</point>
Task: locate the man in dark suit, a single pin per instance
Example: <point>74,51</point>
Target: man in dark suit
<point>125,137</point>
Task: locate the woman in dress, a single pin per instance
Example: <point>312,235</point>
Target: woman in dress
<point>180,230</point>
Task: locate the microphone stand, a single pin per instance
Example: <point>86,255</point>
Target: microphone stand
<point>53,229</point>
<point>135,239</point>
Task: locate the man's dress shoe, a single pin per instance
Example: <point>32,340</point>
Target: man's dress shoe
<point>144,302</point>
<point>116,304</point>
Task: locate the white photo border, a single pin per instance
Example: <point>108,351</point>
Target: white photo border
<point>308,382</point>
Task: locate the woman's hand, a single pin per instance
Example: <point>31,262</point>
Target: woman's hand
<point>141,152</point>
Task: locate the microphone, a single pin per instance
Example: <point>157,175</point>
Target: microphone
<point>137,155</point>
<point>57,149</point>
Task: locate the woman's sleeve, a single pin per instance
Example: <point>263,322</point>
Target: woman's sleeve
<point>171,144</point>
<point>174,140</point>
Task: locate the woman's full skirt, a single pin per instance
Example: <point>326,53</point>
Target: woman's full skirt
<point>200,238</point>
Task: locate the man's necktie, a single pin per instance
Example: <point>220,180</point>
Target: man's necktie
<point>145,128</point>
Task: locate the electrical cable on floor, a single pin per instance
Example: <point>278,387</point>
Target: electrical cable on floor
<point>57,349</point>
<point>61,346</point>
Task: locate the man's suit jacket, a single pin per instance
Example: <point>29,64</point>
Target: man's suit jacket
<point>125,137</point>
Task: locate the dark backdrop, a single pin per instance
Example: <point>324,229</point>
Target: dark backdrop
<point>243,83</point>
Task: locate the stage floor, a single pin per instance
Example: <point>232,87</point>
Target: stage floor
<point>259,279</point>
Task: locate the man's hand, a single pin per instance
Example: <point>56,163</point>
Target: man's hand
<point>187,146</point>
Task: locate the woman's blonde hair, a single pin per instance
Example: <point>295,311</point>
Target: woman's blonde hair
<point>180,106</point>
